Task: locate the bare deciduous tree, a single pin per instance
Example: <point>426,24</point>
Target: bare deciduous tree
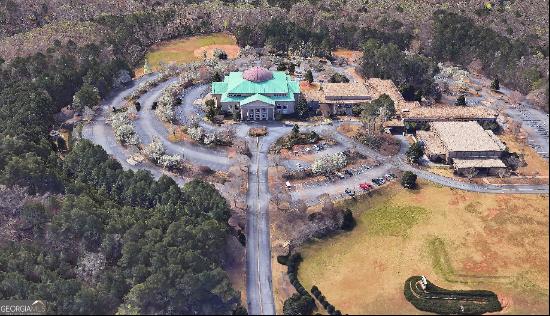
<point>470,173</point>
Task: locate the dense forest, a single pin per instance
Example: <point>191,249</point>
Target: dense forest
<point>507,39</point>
<point>80,232</point>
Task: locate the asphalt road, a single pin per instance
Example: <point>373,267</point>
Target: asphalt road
<point>148,126</point>
<point>100,133</point>
<point>258,246</point>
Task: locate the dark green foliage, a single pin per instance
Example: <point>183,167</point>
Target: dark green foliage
<point>408,180</point>
<point>240,310</point>
<point>283,35</point>
<point>211,109</point>
<point>338,78</point>
<point>282,260</point>
<point>493,126</point>
<point>153,235</point>
<point>388,61</point>
<point>217,77</point>
<point>415,152</point>
<point>315,291</point>
<point>461,40</point>
<point>441,301</point>
<point>323,301</point>
<point>291,68</point>
<point>461,101</point>
<point>298,304</point>
<point>301,107</point>
<point>87,96</point>
<point>296,138</point>
<point>412,127</point>
<point>495,84</point>
<point>236,116</point>
<point>383,104</point>
<point>349,222</point>
<point>309,76</point>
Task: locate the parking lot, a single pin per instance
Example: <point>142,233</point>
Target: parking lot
<point>336,187</point>
<point>536,124</point>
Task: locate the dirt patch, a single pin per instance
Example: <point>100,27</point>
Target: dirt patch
<point>536,166</point>
<point>352,56</point>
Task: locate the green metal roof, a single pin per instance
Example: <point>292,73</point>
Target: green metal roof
<point>219,87</point>
<point>234,83</point>
<point>258,97</point>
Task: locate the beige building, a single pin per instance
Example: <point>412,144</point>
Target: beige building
<point>427,114</point>
<point>465,145</point>
<point>341,97</point>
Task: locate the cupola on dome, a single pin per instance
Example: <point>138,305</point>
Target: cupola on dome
<point>257,74</point>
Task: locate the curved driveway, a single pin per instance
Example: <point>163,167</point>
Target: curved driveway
<point>148,126</point>
<point>100,133</point>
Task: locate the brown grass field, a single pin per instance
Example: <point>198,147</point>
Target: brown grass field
<point>457,239</point>
<point>190,49</point>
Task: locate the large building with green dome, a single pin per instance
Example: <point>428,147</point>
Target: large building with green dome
<point>258,94</point>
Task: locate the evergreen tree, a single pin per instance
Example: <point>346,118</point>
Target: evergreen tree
<point>495,85</point>
<point>309,76</point>
<point>461,101</point>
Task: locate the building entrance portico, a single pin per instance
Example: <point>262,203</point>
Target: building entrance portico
<point>258,111</point>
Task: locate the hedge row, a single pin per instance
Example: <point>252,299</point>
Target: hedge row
<point>293,264</point>
<point>434,299</point>
<point>301,303</point>
<point>323,301</point>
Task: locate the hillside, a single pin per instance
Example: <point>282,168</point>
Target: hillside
<point>40,39</point>
<point>517,30</point>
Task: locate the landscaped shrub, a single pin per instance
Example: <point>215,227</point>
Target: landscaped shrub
<point>434,299</point>
<point>348,222</point>
<point>282,260</point>
<point>299,304</point>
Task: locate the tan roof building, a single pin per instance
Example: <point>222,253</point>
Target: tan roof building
<point>478,163</point>
<point>466,137</point>
<point>346,92</point>
<point>433,146</point>
<point>449,113</point>
<point>466,145</point>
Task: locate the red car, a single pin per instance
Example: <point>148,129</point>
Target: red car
<point>365,186</point>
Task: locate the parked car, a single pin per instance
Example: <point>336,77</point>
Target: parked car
<point>350,192</point>
<point>340,175</point>
<point>348,172</point>
<point>288,185</point>
<point>366,186</point>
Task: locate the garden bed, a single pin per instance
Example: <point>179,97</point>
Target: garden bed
<point>437,300</point>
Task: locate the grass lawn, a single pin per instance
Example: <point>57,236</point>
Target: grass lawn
<point>457,239</point>
<point>190,49</point>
